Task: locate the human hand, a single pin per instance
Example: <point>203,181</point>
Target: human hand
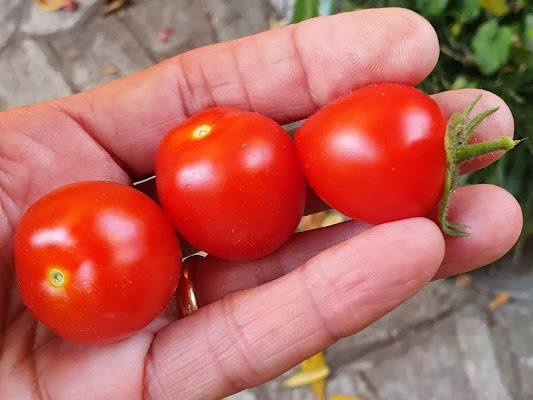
<point>256,319</point>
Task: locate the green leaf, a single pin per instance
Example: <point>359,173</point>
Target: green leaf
<point>521,56</point>
<point>528,29</point>
<point>305,9</point>
<point>492,46</point>
<point>495,7</point>
<point>431,7</point>
<point>347,5</point>
<point>462,82</point>
<point>465,10</point>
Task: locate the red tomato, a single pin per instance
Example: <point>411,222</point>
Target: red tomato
<point>376,154</point>
<point>96,261</point>
<point>231,183</point>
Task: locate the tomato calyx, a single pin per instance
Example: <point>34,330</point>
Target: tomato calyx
<point>458,131</point>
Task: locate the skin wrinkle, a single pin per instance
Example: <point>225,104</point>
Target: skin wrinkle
<point>214,359</point>
<point>209,93</point>
<point>239,345</point>
<point>235,333</point>
<point>326,327</point>
<point>7,228</point>
<point>224,89</point>
<point>218,79</point>
<point>40,389</point>
<point>34,145</point>
<point>148,371</point>
<point>19,351</point>
<point>185,112</point>
<point>24,373</point>
<point>361,288</point>
<point>4,274</point>
<point>80,125</point>
<point>43,337</point>
<point>241,79</point>
<point>190,91</point>
<point>190,367</point>
<point>10,206</point>
<point>150,379</point>
<point>297,56</point>
<point>15,306</point>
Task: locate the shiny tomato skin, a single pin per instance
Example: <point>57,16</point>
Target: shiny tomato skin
<point>118,254</point>
<point>376,154</point>
<point>231,183</point>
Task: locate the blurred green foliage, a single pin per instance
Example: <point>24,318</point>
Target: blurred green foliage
<point>485,44</point>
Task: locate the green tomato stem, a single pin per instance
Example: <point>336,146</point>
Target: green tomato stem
<point>460,128</point>
<point>469,151</point>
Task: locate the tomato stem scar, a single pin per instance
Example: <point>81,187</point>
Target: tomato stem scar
<point>56,277</point>
<point>201,131</point>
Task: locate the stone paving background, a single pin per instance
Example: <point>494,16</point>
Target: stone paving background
<point>445,343</point>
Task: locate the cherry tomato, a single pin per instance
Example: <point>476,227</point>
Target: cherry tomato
<point>96,261</point>
<point>231,183</point>
<point>376,154</point>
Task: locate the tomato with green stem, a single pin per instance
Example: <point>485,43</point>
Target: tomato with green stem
<point>385,152</point>
<point>96,261</point>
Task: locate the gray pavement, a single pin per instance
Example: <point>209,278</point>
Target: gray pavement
<point>444,343</point>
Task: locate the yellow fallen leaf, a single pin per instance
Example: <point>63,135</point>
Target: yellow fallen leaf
<point>463,280</point>
<point>500,299</point>
<point>307,378</point>
<point>108,70</point>
<point>110,6</point>
<point>312,221</point>
<point>332,218</point>
<point>277,23</point>
<point>50,5</point>
<point>495,7</point>
<point>319,389</point>
<point>315,362</point>
<point>345,398</point>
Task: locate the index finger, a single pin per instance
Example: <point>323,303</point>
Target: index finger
<point>285,74</point>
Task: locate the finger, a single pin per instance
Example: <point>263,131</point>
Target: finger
<point>285,74</point>
<point>494,221</point>
<point>496,125</point>
<point>254,335</point>
<point>215,277</point>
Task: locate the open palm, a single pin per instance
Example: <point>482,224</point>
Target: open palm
<point>257,319</point>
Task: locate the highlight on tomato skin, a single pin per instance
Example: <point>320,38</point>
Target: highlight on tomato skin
<point>96,261</point>
<point>376,154</point>
<point>231,183</point>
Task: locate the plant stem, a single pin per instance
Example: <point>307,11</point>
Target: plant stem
<point>470,151</point>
